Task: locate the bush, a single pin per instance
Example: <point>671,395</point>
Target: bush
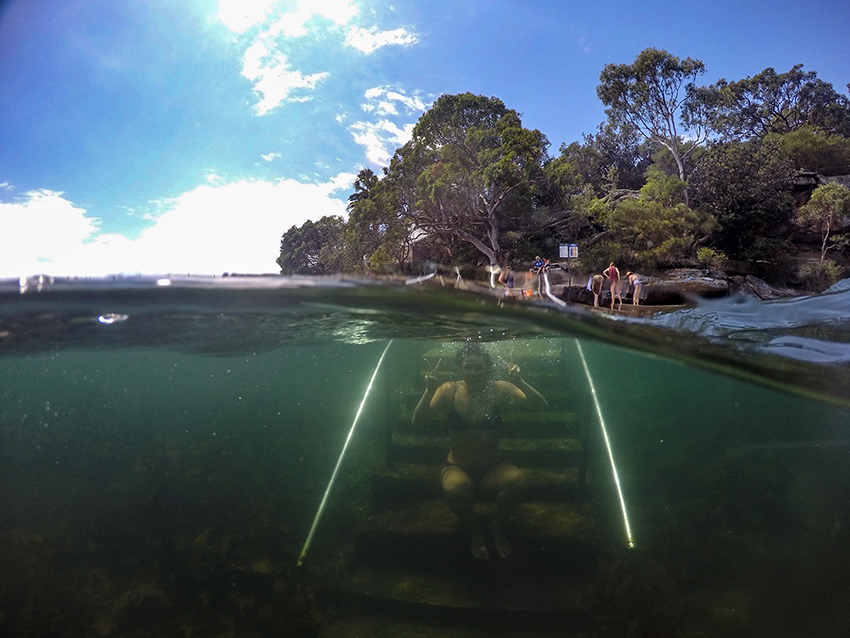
<point>710,258</point>
<point>819,277</point>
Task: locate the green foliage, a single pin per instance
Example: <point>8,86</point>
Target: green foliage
<point>710,258</point>
<point>657,234</point>
<point>829,203</point>
<point>768,250</point>
<point>616,157</point>
<point>747,187</point>
<point>668,190</point>
<point>772,102</point>
<point>315,248</point>
<point>376,235</point>
<point>656,95</point>
<point>819,277</point>
<point>815,151</point>
<point>595,257</point>
<point>473,184</point>
<point>472,172</point>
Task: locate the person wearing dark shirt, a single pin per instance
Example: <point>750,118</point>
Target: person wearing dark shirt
<point>473,408</point>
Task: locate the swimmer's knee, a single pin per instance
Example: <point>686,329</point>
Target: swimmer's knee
<point>515,482</point>
<point>457,486</point>
<point>509,480</point>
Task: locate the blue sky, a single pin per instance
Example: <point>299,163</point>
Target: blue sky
<point>188,136</point>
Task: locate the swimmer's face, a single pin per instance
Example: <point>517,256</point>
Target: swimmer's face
<point>474,370</point>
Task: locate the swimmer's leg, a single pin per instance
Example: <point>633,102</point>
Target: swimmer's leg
<point>458,488</point>
<point>507,483</point>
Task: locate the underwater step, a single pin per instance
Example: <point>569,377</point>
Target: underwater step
<point>406,482</point>
<point>525,453</point>
<point>404,533</point>
<point>362,617</point>
<point>355,623</point>
<point>494,599</point>
<point>449,555</point>
<point>545,424</point>
<point>558,395</point>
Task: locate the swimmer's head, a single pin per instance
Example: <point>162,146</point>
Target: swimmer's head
<point>474,362</point>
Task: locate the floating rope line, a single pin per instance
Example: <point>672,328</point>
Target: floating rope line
<point>324,502</point>
<point>607,444</point>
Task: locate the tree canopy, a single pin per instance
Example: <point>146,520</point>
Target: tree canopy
<point>471,169</point>
<point>656,95</point>
<point>771,102</point>
<point>676,173</point>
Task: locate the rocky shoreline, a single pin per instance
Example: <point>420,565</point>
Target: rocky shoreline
<point>674,287</point>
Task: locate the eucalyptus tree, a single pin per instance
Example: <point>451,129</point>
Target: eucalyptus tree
<point>656,95</point>
<point>829,204</point>
<point>469,171</point>
<point>771,102</point>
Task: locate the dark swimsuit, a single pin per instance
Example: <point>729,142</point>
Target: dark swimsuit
<point>491,421</point>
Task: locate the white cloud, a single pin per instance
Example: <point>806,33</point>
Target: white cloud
<point>273,80</point>
<point>241,15</point>
<point>370,40</point>
<point>380,139</point>
<point>339,11</point>
<point>293,24</point>
<point>392,126</point>
<point>264,62</point>
<point>39,226</point>
<point>211,229</point>
<point>270,156</point>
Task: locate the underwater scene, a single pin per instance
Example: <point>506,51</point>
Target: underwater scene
<point>252,457</point>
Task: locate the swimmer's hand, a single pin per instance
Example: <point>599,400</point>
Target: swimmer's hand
<point>513,373</point>
<point>431,381</point>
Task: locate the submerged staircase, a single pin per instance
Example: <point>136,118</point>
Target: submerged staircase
<point>411,573</point>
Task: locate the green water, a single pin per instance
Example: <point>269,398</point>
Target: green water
<point>166,489</point>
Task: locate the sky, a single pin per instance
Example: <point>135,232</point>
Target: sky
<point>186,136</point>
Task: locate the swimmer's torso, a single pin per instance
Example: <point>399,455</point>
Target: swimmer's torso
<point>474,427</point>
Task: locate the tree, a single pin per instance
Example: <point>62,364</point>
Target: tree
<point>829,203</point>
<point>653,230</point>
<point>616,157</point>
<point>376,235</point>
<point>654,234</point>
<point>472,169</point>
<point>772,102</point>
<point>747,187</point>
<point>656,95</point>
<point>314,248</point>
<point>365,181</point>
<point>815,151</point>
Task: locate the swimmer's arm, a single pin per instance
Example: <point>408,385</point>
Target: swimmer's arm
<point>519,392</point>
<point>431,402</point>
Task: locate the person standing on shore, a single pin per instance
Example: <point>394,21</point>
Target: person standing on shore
<point>536,270</point>
<point>596,288</point>
<point>506,278</point>
<point>613,275</point>
<point>634,281</point>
